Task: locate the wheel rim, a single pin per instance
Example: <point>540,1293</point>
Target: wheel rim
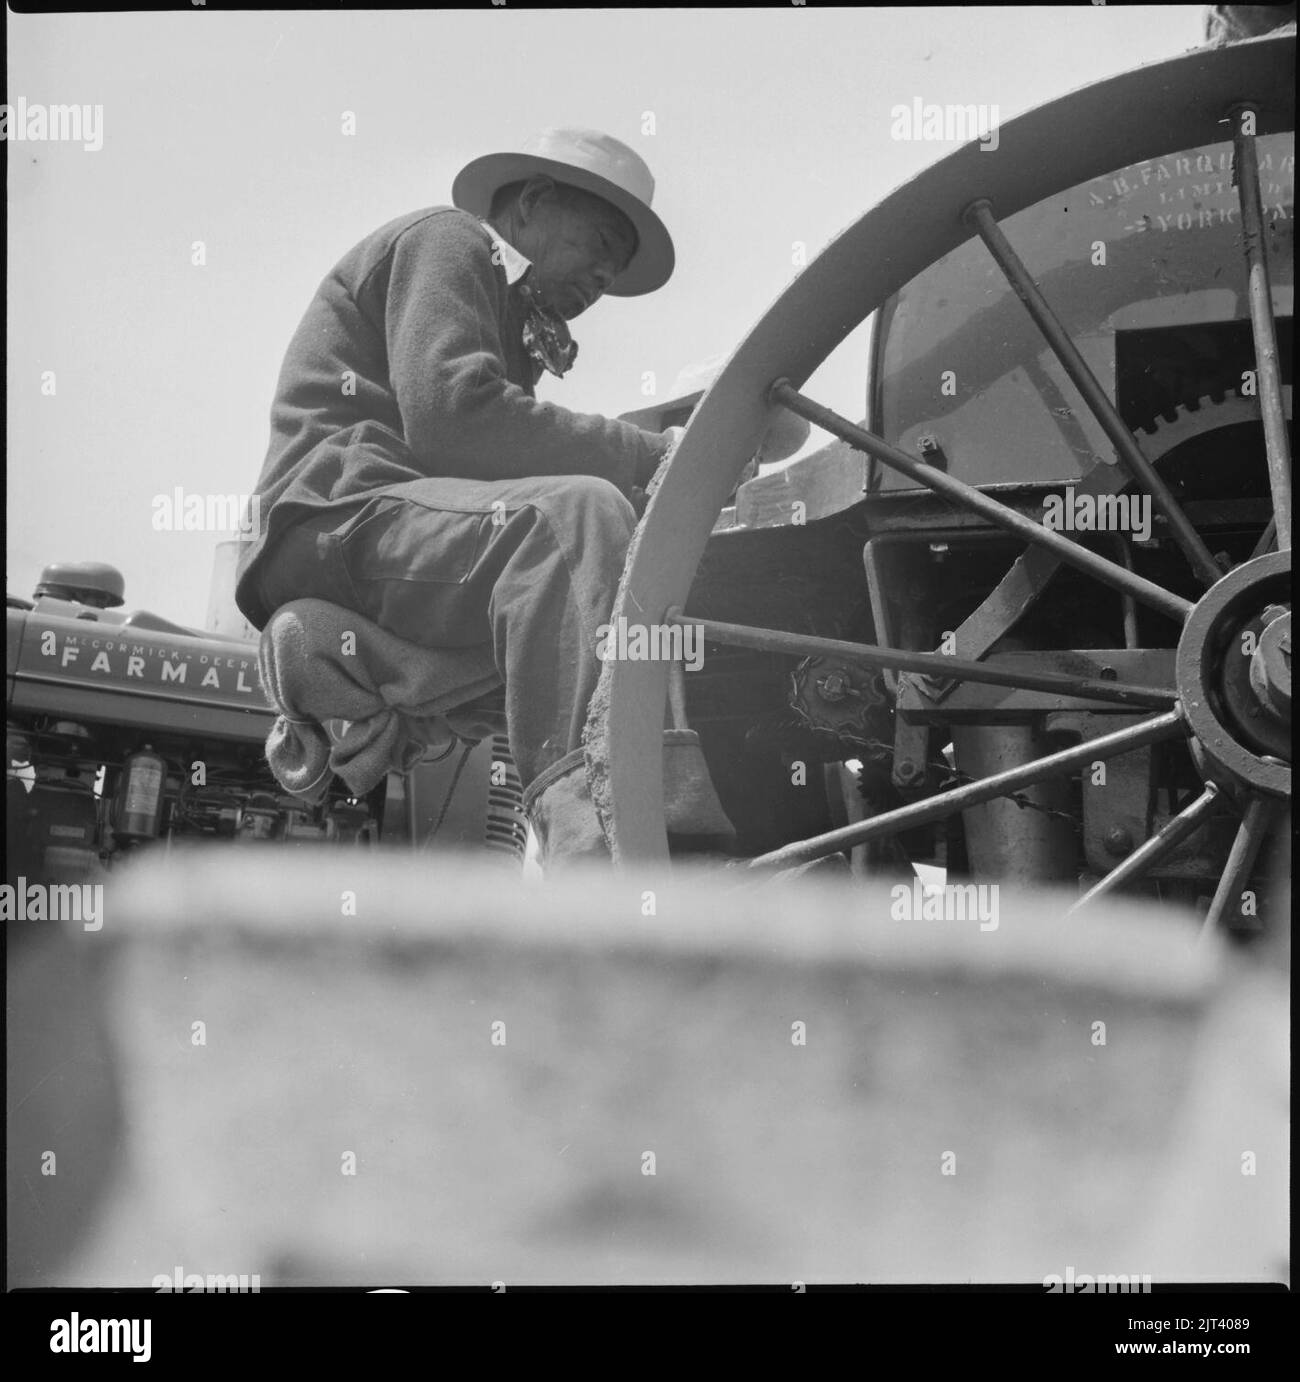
<point>1156,110</point>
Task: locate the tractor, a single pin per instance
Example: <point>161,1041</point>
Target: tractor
<point>128,733</point>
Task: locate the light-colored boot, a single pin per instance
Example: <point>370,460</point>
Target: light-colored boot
<point>564,818</point>
<point>562,814</point>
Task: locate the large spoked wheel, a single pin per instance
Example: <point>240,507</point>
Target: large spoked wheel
<point>1193,99</point>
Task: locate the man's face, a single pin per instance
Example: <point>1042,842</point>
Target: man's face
<point>578,244</point>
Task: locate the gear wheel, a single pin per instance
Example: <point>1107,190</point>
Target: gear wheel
<point>838,698</point>
<point>1208,414</point>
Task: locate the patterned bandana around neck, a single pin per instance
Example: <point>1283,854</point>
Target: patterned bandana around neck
<point>546,333</point>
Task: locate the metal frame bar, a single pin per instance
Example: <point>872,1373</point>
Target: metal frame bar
<point>1153,731</point>
<point>1128,605</point>
<point>1158,598</point>
<point>934,664</point>
<point>1266,539</point>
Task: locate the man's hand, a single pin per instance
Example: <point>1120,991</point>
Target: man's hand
<point>674,436</point>
<point>641,497</point>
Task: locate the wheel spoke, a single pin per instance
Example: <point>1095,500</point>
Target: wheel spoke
<point>1266,539</point>
<point>1276,444</point>
<point>968,497</point>
<point>933,664</point>
<point>980,215</point>
<point>1120,741</point>
<point>1027,578</point>
<point>1254,826</point>
<point>1127,603</point>
<point>1150,853</point>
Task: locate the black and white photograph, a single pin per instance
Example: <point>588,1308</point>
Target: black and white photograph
<point>648,650</point>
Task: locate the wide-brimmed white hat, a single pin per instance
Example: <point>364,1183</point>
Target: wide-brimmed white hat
<point>598,164</point>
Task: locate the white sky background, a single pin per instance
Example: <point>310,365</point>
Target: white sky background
<point>772,126</point>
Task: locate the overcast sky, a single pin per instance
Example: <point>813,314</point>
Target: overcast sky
<point>771,127</point>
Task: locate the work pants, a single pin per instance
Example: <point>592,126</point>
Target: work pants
<point>529,565</point>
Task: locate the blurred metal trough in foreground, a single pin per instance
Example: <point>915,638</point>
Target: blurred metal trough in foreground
<point>949,1115</point>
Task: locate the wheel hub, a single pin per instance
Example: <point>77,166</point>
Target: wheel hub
<point>1234,675</point>
<point>1270,668</point>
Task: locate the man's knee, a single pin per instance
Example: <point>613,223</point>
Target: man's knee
<point>590,503</point>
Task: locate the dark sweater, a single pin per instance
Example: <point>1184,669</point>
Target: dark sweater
<point>441,385</point>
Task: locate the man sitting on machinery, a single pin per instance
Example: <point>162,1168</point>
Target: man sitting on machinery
<point>413,476</point>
